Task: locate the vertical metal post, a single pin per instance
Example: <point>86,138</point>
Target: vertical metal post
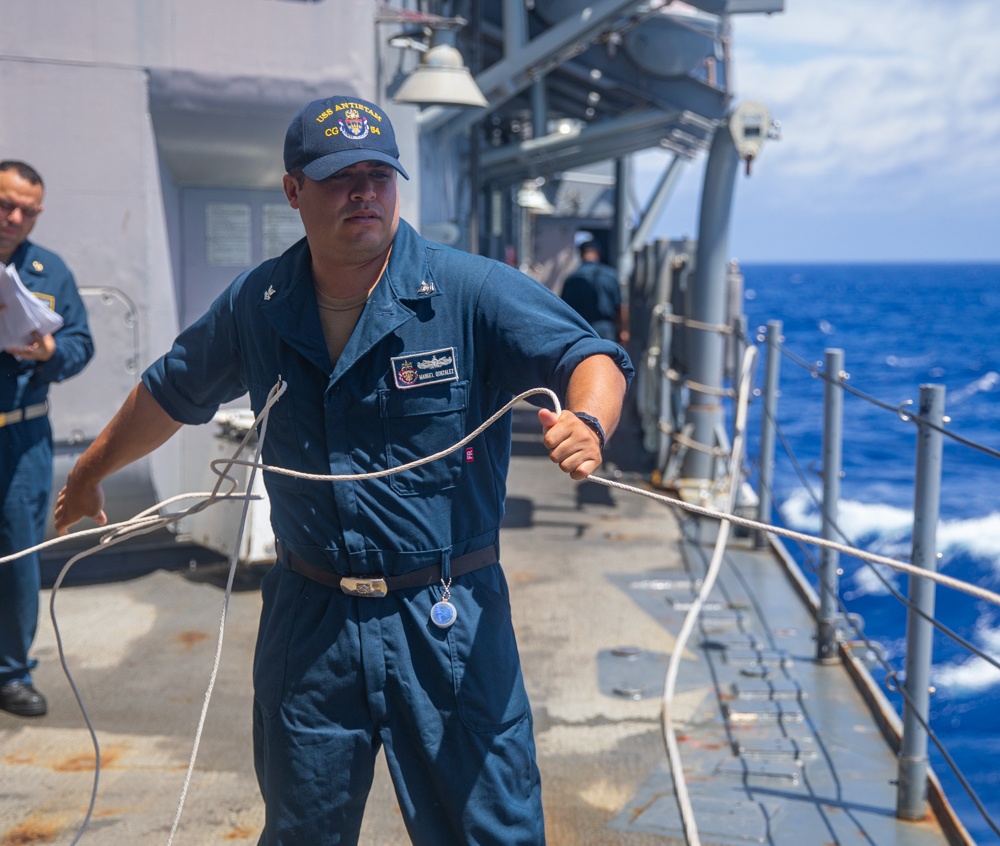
<point>829,577</point>
<point>539,109</point>
<point>665,412</point>
<point>911,793</point>
<point>623,260</point>
<point>768,425</point>
<point>706,303</point>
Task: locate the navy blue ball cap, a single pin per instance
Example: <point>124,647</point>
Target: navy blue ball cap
<point>337,132</point>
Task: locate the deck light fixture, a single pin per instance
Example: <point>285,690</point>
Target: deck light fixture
<point>531,198</point>
<point>441,78</point>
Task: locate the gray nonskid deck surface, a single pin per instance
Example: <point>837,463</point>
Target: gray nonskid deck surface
<point>781,750</point>
<point>590,572</point>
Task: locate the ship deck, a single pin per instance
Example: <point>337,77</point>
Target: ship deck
<point>777,749</point>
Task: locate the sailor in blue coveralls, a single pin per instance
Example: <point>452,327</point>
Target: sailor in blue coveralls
<point>386,621</point>
<point>592,290</point>
<point>25,435</point>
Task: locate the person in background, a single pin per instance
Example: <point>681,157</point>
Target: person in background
<point>386,620</point>
<point>25,434</point>
<point>593,291</point>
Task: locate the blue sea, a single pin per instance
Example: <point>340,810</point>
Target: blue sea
<point>901,326</point>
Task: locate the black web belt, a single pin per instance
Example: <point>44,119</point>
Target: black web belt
<point>378,586</point>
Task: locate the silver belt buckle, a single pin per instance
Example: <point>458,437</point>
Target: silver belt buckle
<point>353,586</point>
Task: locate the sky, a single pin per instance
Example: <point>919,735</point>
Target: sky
<point>889,118</point>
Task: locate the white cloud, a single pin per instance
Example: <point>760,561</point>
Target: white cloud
<point>890,116</point>
<point>893,89</point>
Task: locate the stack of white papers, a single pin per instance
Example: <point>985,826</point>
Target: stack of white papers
<point>21,312</point>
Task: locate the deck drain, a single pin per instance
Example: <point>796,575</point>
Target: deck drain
<point>630,652</point>
<point>629,692</point>
<point>631,672</point>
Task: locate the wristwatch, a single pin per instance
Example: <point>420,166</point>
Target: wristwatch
<point>594,424</point>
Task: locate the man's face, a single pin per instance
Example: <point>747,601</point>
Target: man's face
<point>350,217</point>
<point>20,205</point>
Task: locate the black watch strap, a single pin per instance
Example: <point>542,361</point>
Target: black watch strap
<point>594,424</point>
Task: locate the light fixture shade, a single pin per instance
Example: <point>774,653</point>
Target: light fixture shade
<point>530,198</point>
<point>441,78</point>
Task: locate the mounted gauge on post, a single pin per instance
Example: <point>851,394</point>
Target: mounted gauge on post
<point>750,124</point>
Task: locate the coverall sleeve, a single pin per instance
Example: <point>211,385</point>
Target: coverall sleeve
<point>202,370</point>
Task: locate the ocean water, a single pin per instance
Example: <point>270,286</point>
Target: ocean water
<point>900,327</point>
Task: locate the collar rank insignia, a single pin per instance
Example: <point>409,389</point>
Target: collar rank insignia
<point>270,292</point>
<point>38,266</point>
<point>425,288</point>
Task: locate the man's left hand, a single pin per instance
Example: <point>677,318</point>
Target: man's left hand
<point>571,443</point>
<point>42,348</point>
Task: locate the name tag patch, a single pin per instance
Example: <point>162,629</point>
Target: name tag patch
<point>425,368</point>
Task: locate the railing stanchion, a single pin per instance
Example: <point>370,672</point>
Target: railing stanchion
<point>665,411</point>
<point>911,793</point>
<point>833,429</point>
<point>768,425</point>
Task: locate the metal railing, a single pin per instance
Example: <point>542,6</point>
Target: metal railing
<point>660,398</point>
<point>834,618</point>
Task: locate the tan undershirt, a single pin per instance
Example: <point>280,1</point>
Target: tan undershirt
<point>338,317</point>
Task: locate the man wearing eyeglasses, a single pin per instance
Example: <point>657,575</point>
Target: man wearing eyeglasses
<point>25,435</point>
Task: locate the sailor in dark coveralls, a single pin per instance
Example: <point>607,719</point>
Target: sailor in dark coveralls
<point>25,434</point>
<point>386,621</point>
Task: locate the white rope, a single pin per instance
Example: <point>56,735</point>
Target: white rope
<point>690,323</point>
<point>143,523</point>
<point>901,566</point>
<point>148,521</point>
<point>151,520</point>
<point>378,474</point>
<point>234,560</point>
<point>708,583</point>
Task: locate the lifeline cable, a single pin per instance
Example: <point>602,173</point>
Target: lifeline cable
<point>701,510</point>
<point>891,678</point>
<point>142,524</point>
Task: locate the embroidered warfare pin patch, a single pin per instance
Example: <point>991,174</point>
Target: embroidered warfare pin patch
<point>425,368</point>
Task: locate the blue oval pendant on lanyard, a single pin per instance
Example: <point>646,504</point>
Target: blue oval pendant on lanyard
<point>443,613</point>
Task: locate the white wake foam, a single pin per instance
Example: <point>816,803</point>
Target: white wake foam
<point>973,674</point>
<point>887,529</point>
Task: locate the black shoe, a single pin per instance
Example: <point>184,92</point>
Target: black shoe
<point>22,699</point>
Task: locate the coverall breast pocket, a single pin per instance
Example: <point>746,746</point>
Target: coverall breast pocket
<point>420,422</point>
